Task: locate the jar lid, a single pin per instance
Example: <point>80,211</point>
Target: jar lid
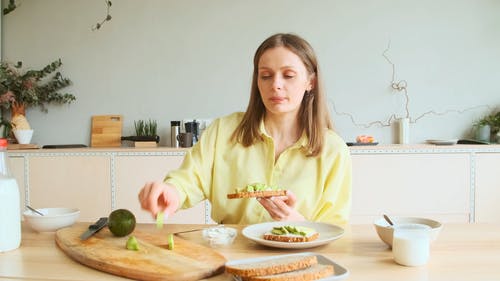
<point>3,142</point>
<point>175,123</point>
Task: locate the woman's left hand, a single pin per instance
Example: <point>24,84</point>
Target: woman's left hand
<point>281,208</point>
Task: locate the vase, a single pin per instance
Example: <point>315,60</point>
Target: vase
<point>483,133</point>
<point>404,130</point>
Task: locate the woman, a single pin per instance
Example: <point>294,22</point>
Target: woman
<point>284,138</point>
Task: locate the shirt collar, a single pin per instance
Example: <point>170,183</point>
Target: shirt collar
<point>301,142</point>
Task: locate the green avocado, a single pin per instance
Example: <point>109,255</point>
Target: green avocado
<point>256,187</point>
<point>290,229</point>
<point>132,244</point>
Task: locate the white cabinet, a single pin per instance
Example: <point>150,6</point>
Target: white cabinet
<point>433,185</point>
<point>96,181</point>
<point>452,184</point>
<point>487,191</point>
<point>78,181</point>
<point>132,172</point>
<point>17,170</point>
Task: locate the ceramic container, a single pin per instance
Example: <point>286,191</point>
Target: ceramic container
<point>53,218</point>
<point>23,136</point>
<point>385,231</point>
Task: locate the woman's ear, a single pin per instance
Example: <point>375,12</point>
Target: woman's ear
<point>312,83</point>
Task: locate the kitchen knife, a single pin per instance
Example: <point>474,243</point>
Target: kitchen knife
<point>93,228</point>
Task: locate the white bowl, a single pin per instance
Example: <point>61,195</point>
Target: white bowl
<point>53,218</point>
<point>385,231</point>
<point>218,236</point>
<point>23,136</point>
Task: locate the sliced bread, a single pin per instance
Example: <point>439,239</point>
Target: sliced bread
<point>274,266</point>
<point>291,237</point>
<point>264,193</point>
<point>314,272</point>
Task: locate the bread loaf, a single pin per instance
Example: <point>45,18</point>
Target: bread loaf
<point>314,272</point>
<point>274,266</point>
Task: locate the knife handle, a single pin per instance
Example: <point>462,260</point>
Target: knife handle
<point>102,222</point>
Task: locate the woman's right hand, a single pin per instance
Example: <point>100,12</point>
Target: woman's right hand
<point>159,197</point>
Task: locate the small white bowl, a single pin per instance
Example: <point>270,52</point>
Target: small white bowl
<point>220,235</point>
<point>23,136</point>
<point>385,231</point>
<point>53,218</point>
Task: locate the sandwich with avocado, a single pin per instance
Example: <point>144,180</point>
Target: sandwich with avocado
<point>257,190</point>
<point>290,233</point>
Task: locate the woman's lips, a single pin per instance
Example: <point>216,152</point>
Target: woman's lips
<point>277,99</point>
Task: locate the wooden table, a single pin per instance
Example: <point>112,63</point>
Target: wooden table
<point>462,252</point>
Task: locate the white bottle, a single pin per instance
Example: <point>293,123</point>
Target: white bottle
<point>404,130</point>
<point>10,212</point>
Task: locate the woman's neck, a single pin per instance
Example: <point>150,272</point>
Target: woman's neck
<point>285,131</point>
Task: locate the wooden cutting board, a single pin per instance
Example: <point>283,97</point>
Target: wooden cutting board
<point>105,252</point>
<point>106,131</point>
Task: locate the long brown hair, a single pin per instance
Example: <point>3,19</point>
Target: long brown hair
<point>314,117</point>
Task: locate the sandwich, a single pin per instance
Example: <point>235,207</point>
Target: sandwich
<point>284,268</point>
<point>289,233</point>
<point>257,190</point>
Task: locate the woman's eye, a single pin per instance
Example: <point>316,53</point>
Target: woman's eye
<point>264,77</point>
<point>289,74</point>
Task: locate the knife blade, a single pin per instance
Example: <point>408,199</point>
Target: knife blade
<point>93,228</point>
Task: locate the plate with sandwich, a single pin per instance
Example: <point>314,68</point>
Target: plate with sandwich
<point>293,235</point>
<point>302,266</point>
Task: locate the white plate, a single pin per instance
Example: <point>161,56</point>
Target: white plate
<point>443,142</point>
<point>339,271</point>
<point>327,233</point>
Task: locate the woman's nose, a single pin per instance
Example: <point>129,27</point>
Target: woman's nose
<point>277,82</point>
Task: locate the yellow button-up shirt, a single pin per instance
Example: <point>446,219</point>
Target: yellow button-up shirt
<point>216,166</point>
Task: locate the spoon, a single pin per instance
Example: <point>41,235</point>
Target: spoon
<point>388,220</point>
<point>35,210</point>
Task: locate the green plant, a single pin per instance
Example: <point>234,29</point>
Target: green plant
<point>492,119</point>
<point>145,128</point>
<point>33,87</point>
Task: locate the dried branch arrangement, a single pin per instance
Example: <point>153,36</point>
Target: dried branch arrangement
<point>107,18</point>
<point>12,6</point>
<point>400,86</point>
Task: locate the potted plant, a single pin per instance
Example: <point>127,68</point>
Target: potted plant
<point>145,128</point>
<point>487,126</point>
<point>20,90</point>
<point>145,133</point>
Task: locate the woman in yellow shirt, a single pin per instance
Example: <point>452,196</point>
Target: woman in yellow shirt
<point>285,138</point>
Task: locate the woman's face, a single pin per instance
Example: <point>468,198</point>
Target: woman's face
<point>282,81</point>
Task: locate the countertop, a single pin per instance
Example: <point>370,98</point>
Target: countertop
<point>461,252</point>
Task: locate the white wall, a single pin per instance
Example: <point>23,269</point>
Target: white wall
<point>170,60</point>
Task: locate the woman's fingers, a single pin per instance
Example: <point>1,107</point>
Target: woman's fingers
<point>276,207</point>
<point>290,199</point>
<point>154,197</point>
<point>282,207</point>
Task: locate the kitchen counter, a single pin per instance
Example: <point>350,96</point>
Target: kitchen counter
<point>356,148</point>
<point>462,252</point>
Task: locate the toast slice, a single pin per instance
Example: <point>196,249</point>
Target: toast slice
<point>314,272</point>
<point>270,267</point>
<point>263,193</point>
<point>291,237</point>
